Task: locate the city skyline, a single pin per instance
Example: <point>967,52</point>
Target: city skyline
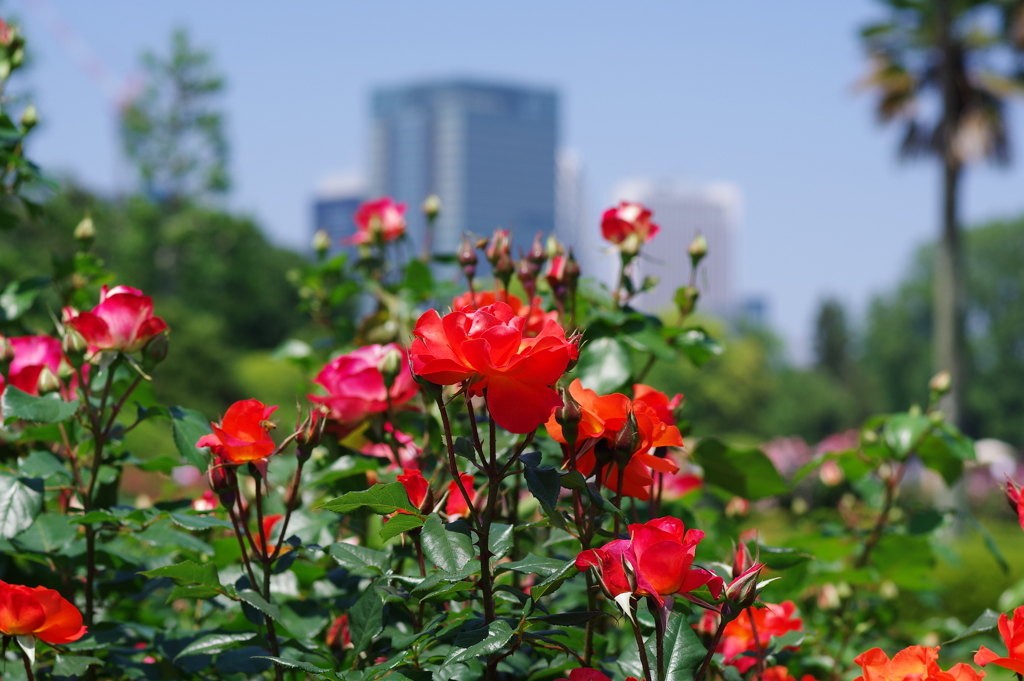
<point>830,209</point>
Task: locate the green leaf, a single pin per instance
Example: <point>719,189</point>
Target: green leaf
<point>698,346</point>
<point>683,652</point>
<point>189,425</point>
<point>990,543</point>
<point>189,572</point>
<point>198,522</point>
<point>74,665</point>
<point>18,296</point>
<point>778,558</point>
<point>604,365</point>
<point>21,500</point>
<point>40,464</point>
<point>304,666</point>
<point>479,642</point>
<point>545,484</point>
<point>902,431</point>
<point>366,619</point>
<point>747,473</point>
<point>418,278</point>
<point>449,547</point>
<point>48,534</point>
<point>304,619</point>
<point>648,339</point>
<point>500,540</point>
<point>534,564</point>
<point>214,643</point>
<point>945,454</point>
<point>49,408</point>
<point>260,603</point>
<point>352,557</point>
<point>554,580</point>
<point>198,591</point>
<point>399,523</point>
<point>380,498</point>
<point>986,622</point>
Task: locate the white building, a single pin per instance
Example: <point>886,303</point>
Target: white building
<point>683,211</point>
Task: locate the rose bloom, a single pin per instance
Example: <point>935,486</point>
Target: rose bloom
<point>355,387</point>
<point>603,416</point>
<point>33,354</point>
<point>122,321</point>
<point>628,225</point>
<point>1013,497</point>
<point>338,635</point>
<point>456,507</point>
<point>738,637</point>
<point>1012,631</point>
<point>242,435</point>
<point>661,553</point>
<point>378,221</point>
<point>38,612</point>
<point>915,662</point>
<point>416,486</point>
<point>489,349</point>
<point>538,317</point>
<point>781,673</point>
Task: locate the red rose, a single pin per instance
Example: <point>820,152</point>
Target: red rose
<point>456,507</point>
<point>660,553</point>
<point>378,221</point>
<point>771,620</point>
<point>416,486</point>
<point>38,612</point>
<point>538,317</point>
<point>915,662</point>
<point>628,225</point>
<point>1012,631</point>
<point>122,321</point>
<point>242,435</point>
<point>33,355</point>
<point>489,349</point>
<point>355,386</point>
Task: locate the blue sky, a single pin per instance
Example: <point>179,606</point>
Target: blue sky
<point>758,94</point>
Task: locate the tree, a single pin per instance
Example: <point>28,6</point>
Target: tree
<point>947,53</point>
<point>172,132</point>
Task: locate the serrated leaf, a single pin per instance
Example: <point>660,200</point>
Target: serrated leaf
<point>479,642</point>
<point>380,498</point>
<point>188,572</point>
<point>213,643</point>
<point>683,652</point>
<point>49,533</point>
<point>449,547</point>
<point>986,622</point>
<point>189,426</point>
<point>399,523</point>
<point>354,557</point>
<point>73,665</point>
<point>304,666</point>
<point>534,564</point>
<point>260,603</point>
<point>745,472</point>
<point>366,619</point>
<point>49,408</point>
<point>500,540</point>
<point>21,500</point>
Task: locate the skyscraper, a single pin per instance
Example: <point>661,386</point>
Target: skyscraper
<point>336,202</point>
<point>684,211</point>
<point>487,150</point>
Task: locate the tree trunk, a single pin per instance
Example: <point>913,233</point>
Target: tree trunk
<point>950,291</point>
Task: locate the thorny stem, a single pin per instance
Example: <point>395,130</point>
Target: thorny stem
<point>618,496</point>
<point>267,560</point>
<point>292,500</point>
<point>659,635</point>
<point>757,646</point>
<point>453,468</point>
<point>640,641</point>
<point>711,651</point>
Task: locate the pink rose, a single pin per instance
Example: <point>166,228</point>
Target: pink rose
<point>378,221</point>
<point>122,321</point>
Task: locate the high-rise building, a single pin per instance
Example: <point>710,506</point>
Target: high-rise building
<point>335,205</point>
<point>683,211</point>
<point>487,150</point>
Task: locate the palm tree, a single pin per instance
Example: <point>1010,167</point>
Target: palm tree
<point>944,69</point>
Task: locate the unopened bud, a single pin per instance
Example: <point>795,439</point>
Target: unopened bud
<point>627,440</point>
<point>155,350</point>
<point>941,382</point>
<point>698,249</point>
<point>572,271</point>
<point>85,232</point>
<point>504,268</point>
<point>432,207</point>
<point>310,432</point>
<point>741,560</point>
<point>73,343</point>
<point>224,481</point>
<point>737,507</point>
<point>527,277</point>
<point>432,390</point>
<point>742,591</point>
<point>576,340</point>
<point>390,365</point>
<point>467,258</point>
<point>537,254</point>
<point>29,117</point>
<point>48,381</point>
<point>568,416</point>
<point>499,246</point>
<point>554,247</point>
<point>321,242</point>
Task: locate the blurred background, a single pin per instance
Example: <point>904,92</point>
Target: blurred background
<point>203,138</point>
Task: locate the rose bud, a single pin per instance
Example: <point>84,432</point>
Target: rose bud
<point>686,299</point>
<point>741,561</point>
<point>223,481</point>
<point>48,381</point>
<point>538,254</point>
<point>698,249</point>
<point>155,350</point>
<point>85,232</point>
<point>321,243</point>
<point>310,433</point>
<point>29,117</point>
<point>504,269</point>
<point>568,416</point>
<point>499,245</point>
<point>1013,496</point>
<point>743,590</point>
<point>627,440</point>
<point>467,258</point>
<point>527,277</point>
<point>940,382</point>
<point>432,207</point>
<point>390,365</point>
<point>6,351</point>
